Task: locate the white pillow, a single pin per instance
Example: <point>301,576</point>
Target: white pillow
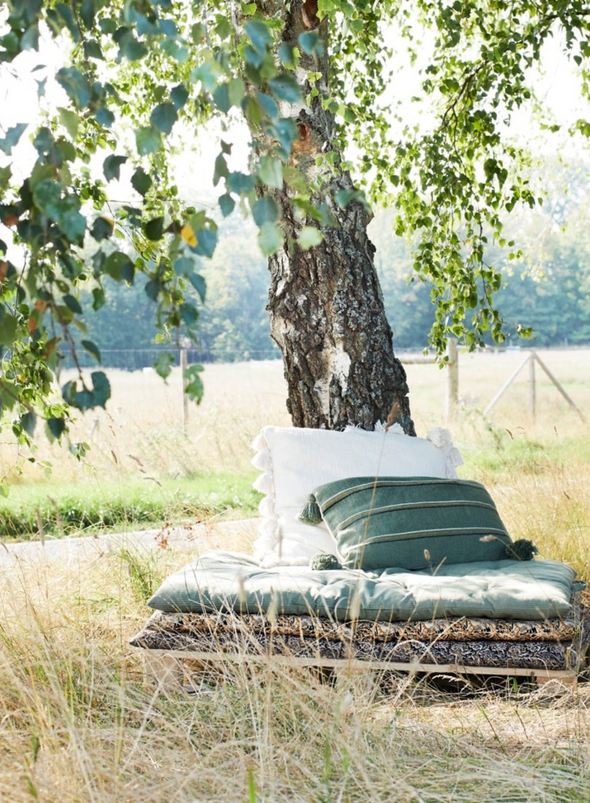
<point>296,460</point>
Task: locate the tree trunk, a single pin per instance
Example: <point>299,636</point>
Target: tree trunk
<point>325,304</point>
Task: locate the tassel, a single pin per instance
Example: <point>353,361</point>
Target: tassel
<point>259,442</point>
<point>266,506</point>
<point>262,460</point>
<point>323,563</point>
<point>264,484</point>
<point>523,549</point>
<point>311,513</point>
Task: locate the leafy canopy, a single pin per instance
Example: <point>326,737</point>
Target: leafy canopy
<point>141,74</point>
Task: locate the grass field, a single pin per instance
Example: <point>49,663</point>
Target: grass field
<point>76,722</point>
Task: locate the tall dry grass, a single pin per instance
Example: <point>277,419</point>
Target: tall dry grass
<point>76,723</point>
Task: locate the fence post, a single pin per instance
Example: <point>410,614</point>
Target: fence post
<point>183,385</point>
<point>532,387</point>
<point>452,379</point>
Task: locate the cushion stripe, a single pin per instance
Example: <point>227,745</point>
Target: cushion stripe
<point>391,483</point>
<point>416,534</point>
<point>411,505</point>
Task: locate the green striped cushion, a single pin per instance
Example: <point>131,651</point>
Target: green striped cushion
<point>411,523</point>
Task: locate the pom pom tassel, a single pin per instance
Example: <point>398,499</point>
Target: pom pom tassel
<point>322,562</point>
<point>311,513</point>
<point>523,549</point>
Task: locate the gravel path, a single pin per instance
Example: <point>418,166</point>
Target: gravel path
<point>209,535</point>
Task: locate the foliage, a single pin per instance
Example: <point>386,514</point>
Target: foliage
<point>139,74</point>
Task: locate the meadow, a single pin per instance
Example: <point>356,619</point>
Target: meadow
<point>77,723</point>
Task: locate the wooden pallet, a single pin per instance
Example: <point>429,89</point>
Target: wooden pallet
<point>173,670</point>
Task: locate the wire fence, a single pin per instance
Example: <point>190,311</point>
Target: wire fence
<point>138,359</point>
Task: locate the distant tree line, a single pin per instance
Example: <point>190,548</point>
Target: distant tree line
<point>548,288</point>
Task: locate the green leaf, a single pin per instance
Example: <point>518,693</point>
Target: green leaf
<point>310,42</point>
<point>101,388</point>
<point>179,96</point>
<point>189,314</point>
<point>28,421</point>
<point>102,228</point>
<point>152,289</point>
<point>198,32</point>
<point>270,172</point>
<point>270,238</point>
<point>30,39</point>
<point>259,34</point>
<point>269,105</point>
<point>194,388</point>
<point>184,266</point>
<point>285,87</point>
<point>98,298</point>
<point>61,17</point>
<point>131,48</point>
<point>208,73</point>
<point>92,50</point>
<point>288,55</point>
<point>87,12</point>
<point>344,197</point>
<point>220,170</point>
<point>226,204</point>
<point>237,90</point>
<point>56,427</point>
<point>198,282</point>
<point>104,116</point>
<point>163,117</point>
<point>206,242</point>
<point>72,304</point>
<point>67,150</point>
<point>148,139</point>
<point>241,183</point>
<point>223,26</point>
<point>111,166</point>
<point>8,327</point>
<point>11,138</point>
<point>154,229</point>
<point>140,181</point>
<point>285,132</point>
<point>5,176</point>
<point>309,237</point>
<point>76,85</point>
<point>116,264</point>
<point>92,349</point>
<point>70,121</point>
<point>70,221</point>
<point>221,98</point>
<point>163,364</point>
<point>265,210</point>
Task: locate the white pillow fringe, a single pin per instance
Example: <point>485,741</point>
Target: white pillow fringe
<point>264,484</point>
<point>262,460</point>
<point>259,442</point>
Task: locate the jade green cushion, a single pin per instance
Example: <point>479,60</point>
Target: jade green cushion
<point>412,523</point>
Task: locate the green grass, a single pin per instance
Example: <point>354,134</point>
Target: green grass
<point>509,452</point>
<point>64,508</point>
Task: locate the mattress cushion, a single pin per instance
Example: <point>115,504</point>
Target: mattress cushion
<point>503,589</point>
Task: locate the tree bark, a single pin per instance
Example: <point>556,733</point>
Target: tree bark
<point>325,304</point>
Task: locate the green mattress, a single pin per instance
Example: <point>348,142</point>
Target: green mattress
<point>505,589</point>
